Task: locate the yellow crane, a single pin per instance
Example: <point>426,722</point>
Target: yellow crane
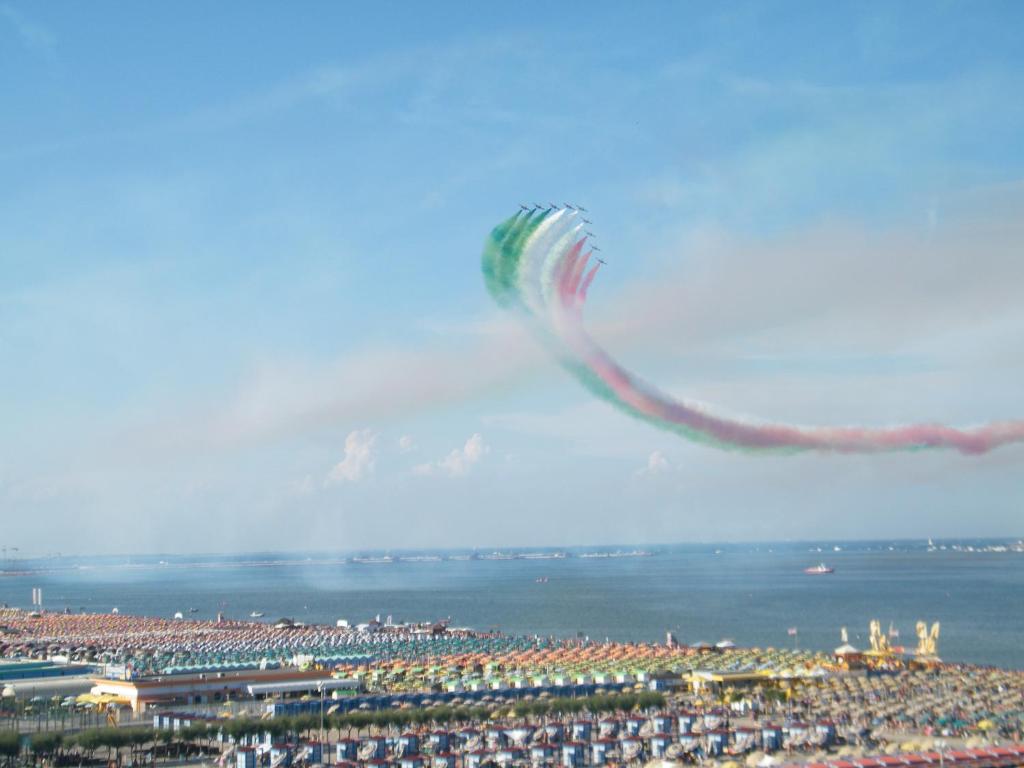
<point>927,640</point>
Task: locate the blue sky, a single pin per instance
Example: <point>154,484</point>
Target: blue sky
<point>239,263</point>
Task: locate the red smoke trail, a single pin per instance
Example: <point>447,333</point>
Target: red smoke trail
<point>646,401</point>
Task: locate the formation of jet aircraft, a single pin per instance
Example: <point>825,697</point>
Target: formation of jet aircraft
<point>568,207</point>
<point>553,207</point>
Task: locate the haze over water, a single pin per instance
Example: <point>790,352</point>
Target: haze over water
<point>748,593</point>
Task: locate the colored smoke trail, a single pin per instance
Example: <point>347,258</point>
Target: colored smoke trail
<point>538,261</point>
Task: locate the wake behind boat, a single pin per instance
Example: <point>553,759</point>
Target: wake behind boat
<point>818,570</point>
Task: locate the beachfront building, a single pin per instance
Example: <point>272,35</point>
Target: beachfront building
<point>165,690</point>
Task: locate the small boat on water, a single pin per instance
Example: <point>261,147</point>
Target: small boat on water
<point>818,570</point>
<point>256,615</point>
<point>541,580</point>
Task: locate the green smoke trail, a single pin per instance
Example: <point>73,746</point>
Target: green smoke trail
<point>501,263</point>
<point>533,261</point>
<point>502,252</point>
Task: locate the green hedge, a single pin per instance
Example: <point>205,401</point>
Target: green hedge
<point>445,713</point>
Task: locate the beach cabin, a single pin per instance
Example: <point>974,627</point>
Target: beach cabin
<point>372,748</point>
<point>716,741</point>
<point>771,737</point>
<point>439,741</point>
<point>542,753</point>
<point>509,755</point>
<point>476,758</point>
<point>632,748</point>
<point>685,721</point>
<point>443,760</point>
<point>408,744</point>
<point>662,683</point>
<point>410,761</point>
<point>554,732</point>
<point>599,751</point>
<point>624,678</point>
<point>281,756</point>
<point>796,734</point>
<point>633,725</point>
<point>572,754</point>
<point>494,736</point>
<point>825,733</point>
<point>467,735</point>
<point>518,681</point>
<point>345,750</point>
<point>689,742</point>
<point>741,707</point>
<point>662,723</point>
<point>584,679</point>
<point>713,720</point>
<point>519,735</point>
<point>581,730</point>
<point>602,678</point>
<point>743,739</point>
<point>314,752</point>
<point>608,727</point>
<point>658,743</point>
<point>245,758</point>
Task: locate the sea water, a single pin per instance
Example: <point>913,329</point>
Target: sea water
<point>752,594</point>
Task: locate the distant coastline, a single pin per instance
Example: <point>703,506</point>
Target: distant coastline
<point>56,563</point>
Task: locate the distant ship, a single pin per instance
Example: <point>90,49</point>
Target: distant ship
<point>256,615</point>
<point>541,580</point>
<point>818,570</point>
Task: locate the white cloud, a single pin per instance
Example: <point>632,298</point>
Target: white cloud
<point>656,464</point>
<point>457,463</point>
<point>359,461</point>
<point>406,444</point>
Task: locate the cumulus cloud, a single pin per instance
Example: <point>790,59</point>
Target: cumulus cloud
<point>359,461</point>
<point>406,444</point>
<point>657,464</point>
<point>457,463</point>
